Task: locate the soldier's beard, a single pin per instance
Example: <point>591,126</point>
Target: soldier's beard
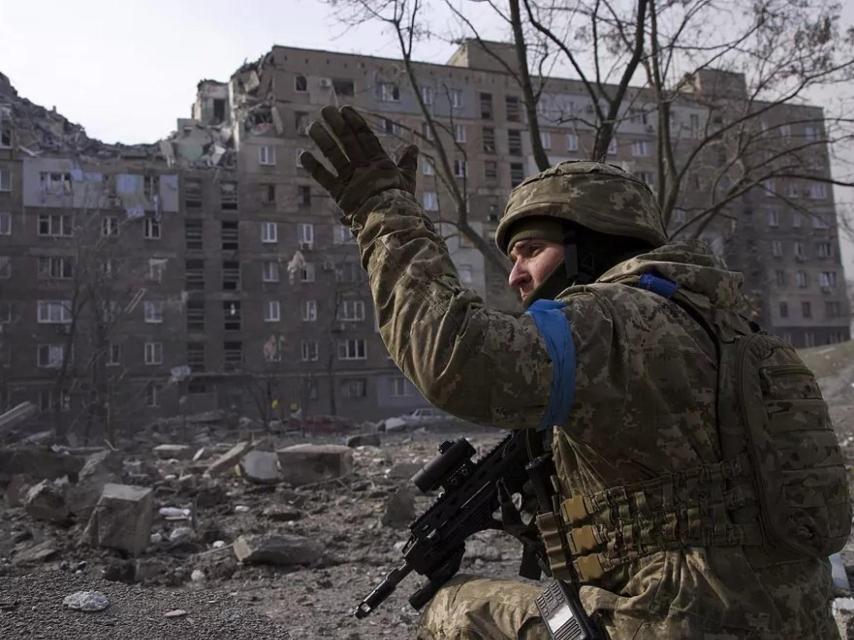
<point>549,288</point>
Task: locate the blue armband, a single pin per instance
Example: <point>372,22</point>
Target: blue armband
<point>554,326</point>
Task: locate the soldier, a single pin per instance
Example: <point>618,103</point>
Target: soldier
<point>686,508</point>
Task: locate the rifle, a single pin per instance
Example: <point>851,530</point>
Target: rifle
<point>472,492</point>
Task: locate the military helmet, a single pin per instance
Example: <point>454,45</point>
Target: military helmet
<point>596,195</point>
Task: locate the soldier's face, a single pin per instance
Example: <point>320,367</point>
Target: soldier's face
<point>533,262</point>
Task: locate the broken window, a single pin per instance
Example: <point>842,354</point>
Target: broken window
<point>307,273</point>
<point>151,187</point>
<point>196,356</point>
<point>300,83</point>
<point>228,195</point>
<point>192,192</point>
<point>230,275</point>
<point>233,355</point>
<point>218,110</point>
<point>303,196</point>
<point>231,311</point>
<point>486,106</point>
<point>55,183</point>
<point>195,315</point>
<point>153,353</point>
<point>459,168</point>
<point>193,234</point>
<point>194,274</point>
<point>514,142</point>
<point>55,267</point>
<point>267,193</point>
<point>5,312</point>
<point>343,87</point>
<point>488,138</point>
<point>151,228</point>
<point>512,105</point>
<point>48,400</point>
<point>230,238</point>
<point>456,96</point>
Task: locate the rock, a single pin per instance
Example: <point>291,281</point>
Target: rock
<point>121,519</point>
<point>100,469</point>
<point>176,451</point>
<point>364,440</point>
<point>38,463</point>
<point>218,544</point>
<point>147,570</point>
<point>309,463</point>
<point>197,575</point>
<point>37,553</point>
<point>181,535</point>
<point>404,470</point>
<point>399,509</point>
<point>86,601</point>
<point>101,463</point>
<point>16,490</point>
<point>175,513</point>
<point>241,508</point>
<point>46,501</point>
<point>175,613</point>
<point>261,467</point>
<point>281,513</point>
<point>230,458</point>
<point>216,564</point>
<point>282,549</point>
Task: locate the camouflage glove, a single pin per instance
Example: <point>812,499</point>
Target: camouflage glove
<point>364,168</point>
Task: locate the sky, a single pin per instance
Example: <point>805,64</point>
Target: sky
<point>127,70</point>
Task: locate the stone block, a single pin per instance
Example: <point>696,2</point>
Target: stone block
<point>121,519</point>
<point>100,469</point>
<point>309,463</point>
<point>261,467</point>
<point>177,451</point>
<point>229,459</point>
<point>281,550</point>
<point>46,501</point>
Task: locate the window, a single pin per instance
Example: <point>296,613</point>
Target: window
<point>427,95</point>
<point>488,140</point>
<point>486,106</point>
<point>612,147</point>
<point>390,127</point>
<point>156,266</point>
<point>151,228</point>
<point>195,315</point>
<point>114,354</point>
<point>196,356</point>
<point>5,312</point>
<point>305,235</point>
<point>351,310</point>
<point>5,131</point>
<point>272,311</point>
<point>301,125</point>
<point>54,311</point>
<point>400,387</point>
<point>307,273</point>
<point>152,394</point>
<point>303,196</point>
<point>308,350</point>
<point>777,248</point>
<point>5,224</point>
<point>229,236</point>
<point>193,234</point>
<point>107,267</point>
<point>354,388</point>
<point>824,250</point>
<point>300,83</point>
<point>55,183</point>
<point>353,349</point>
<point>194,274</point>
<point>490,169</point>
<point>517,174</point>
<point>55,224</point>
<point>109,226</point>
<point>153,311</point>
<point>192,192</point>
<point>456,96</point>
<point>832,308</point>
<point>640,148</point>
<point>55,268</point>
<point>5,180</point>
<point>431,201</point>
<point>769,187</point>
<point>271,271</point>
<point>228,195</point>
<point>571,142</point>
<point>153,353</point>
<point>809,338</point>
<point>231,315</point>
<point>546,139</point>
<point>459,168</point>
<point>230,275</point>
<point>802,279</point>
<point>827,279</point>
<point>5,267</point>
<point>785,131</point>
<point>512,105</point>
<point>51,356</point>
<point>151,188</point>
<point>773,218</point>
<point>459,133</point>
<point>48,400</point>
<point>780,278</point>
<point>349,272</point>
<point>514,142</point>
<point>811,134</point>
<point>797,220</point>
<point>233,352</point>
<point>388,92</point>
<point>427,167</point>
<point>343,87</point>
<point>426,132</point>
<point>466,274</point>
<point>267,193</point>
<point>819,222</point>
<point>269,232</point>
<point>309,310</point>
<point>267,155</point>
<point>800,250</point>
<point>784,309</point>
<point>341,234</point>
<point>806,309</point>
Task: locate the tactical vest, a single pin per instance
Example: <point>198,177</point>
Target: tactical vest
<point>781,485</point>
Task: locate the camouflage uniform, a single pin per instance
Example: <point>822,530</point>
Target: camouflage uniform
<point>645,387</point>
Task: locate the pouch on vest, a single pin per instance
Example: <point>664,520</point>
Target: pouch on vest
<point>800,475</point>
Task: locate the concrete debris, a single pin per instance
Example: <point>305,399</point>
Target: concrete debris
<point>36,553</point>
<point>364,440</point>
<point>46,501</point>
<point>261,467</point>
<point>89,601</point>
<point>176,451</point>
<point>281,550</point>
<point>181,535</point>
<point>17,415</point>
<point>175,513</point>
<point>281,513</point>
<point>241,508</point>
<point>399,509</point>
<point>197,575</point>
<point>303,464</point>
<point>121,519</point>
<point>38,463</point>
<point>175,613</point>
<point>100,469</point>
<point>16,490</point>
<point>404,470</point>
<point>229,459</point>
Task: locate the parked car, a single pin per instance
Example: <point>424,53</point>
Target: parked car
<point>415,419</point>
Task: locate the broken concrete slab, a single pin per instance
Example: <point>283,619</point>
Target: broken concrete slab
<point>17,415</point>
<point>176,451</point>
<point>364,440</point>
<point>399,509</point>
<point>309,463</point>
<point>280,550</point>
<point>39,463</point>
<point>37,553</point>
<point>16,490</point>
<point>230,458</point>
<point>261,467</point>
<point>122,519</point>
<point>46,501</point>
<point>101,468</point>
